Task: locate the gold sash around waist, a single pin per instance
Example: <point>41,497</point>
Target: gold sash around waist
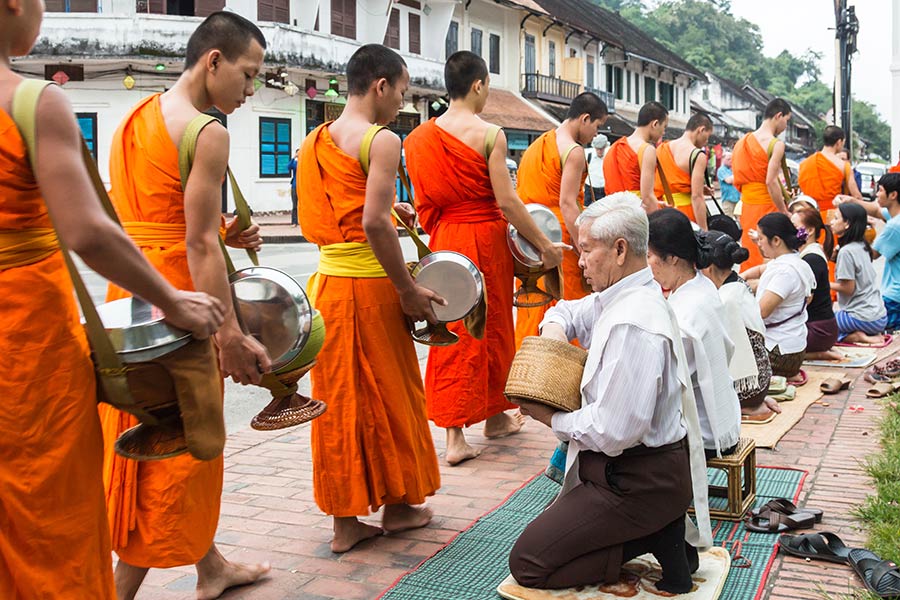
<point>755,193</point>
<point>349,259</point>
<point>155,235</point>
<point>26,246</point>
<point>681,198</point>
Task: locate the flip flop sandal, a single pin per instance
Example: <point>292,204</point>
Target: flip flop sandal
<point>761,419</point>
<point>789,394</point>
<point>786,507</point>
<point>804,378</point>
<point>822,545</point>
<point>833,385</point>
<point>774,522</point>
<point>880,390</point>
<point>777,384</point>
<point>874,375</point>
<point>881,577</point>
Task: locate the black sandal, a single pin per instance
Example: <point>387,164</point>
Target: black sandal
<point>881,577</point>
<point>773,522</point>
<point>822,545</point>
<point>786,507</point>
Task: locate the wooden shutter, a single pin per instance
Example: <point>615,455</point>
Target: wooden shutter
<point>392,35</point>
<point>55,5</point>
<point>343,18</point>
<point>415,33</point>
<point>204,8</point>
<point>282,11</point>
<point>89,6</point>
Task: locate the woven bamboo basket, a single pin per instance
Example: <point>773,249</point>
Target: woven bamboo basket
<point>547,371</point>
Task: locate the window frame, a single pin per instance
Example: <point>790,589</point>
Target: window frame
<point>480,31</point>
<point>494,57</point>
<point>551,58</point>
<point>454,29</point>
<point>92,141</point>
<point>276,121</point>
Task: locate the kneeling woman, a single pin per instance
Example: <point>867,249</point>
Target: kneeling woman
<point>862,316</point>
<point>749,366</point>
<point>783,292</point>
<point>675,257</point>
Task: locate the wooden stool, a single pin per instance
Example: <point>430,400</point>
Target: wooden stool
<point>740,497</point>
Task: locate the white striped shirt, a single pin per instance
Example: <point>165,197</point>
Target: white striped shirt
<point>633,396</point>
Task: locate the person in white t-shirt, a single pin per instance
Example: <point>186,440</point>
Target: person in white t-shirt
<point>594,185</point>
<point>782,293</point>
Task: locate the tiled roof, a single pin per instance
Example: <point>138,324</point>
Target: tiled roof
<point>511,112</point>
<point>611,28</point>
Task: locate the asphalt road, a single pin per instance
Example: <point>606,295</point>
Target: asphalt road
<point>297,260</point>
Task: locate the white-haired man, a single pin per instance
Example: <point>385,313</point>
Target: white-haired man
<point>630,471</point>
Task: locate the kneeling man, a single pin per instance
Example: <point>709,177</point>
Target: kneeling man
<point>635,456</point>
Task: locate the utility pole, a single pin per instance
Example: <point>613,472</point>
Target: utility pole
<point>845,32</point>
<point>895,81</point>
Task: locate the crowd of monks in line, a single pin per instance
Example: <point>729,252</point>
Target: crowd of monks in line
<point>67,500</point>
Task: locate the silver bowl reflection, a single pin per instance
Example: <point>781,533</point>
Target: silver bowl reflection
<point>137,330</point>
<point>523,250</point>
<point>455,278</point>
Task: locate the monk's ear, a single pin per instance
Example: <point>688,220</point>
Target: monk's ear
<point>213,59</point>
<point>380,85</point>
<point>14,7</point>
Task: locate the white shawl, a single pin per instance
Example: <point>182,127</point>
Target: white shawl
<point>741,314</point>
<point>641,307</point>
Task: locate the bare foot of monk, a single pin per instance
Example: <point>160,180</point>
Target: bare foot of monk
<point>215,574</point>
<point>503,424</point>
<point>349,531</point>
<point>458,449</point>
<point>400,517</point>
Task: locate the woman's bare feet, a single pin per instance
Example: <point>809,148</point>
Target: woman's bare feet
<point>458,449</point>
<point>503,424</point>
<point>768,405</point>
<point>215,574</point>
<point>827,355</point>
<point>400,517</point>
<point>349,531</point>
<point>858,337</point>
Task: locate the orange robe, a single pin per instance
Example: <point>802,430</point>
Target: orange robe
<point>750,163</point>
<point>538,181</point>
<point>162,513</point>
<point>679,181</point>
<point>622,168</point>
<point>54,542</point>
<point>895,169</point>
<point>455,201</point>
<point>373,446</point>
<point>822,180</point>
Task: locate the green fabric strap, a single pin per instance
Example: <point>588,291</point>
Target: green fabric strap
<point>490,139</point>
<point>784,170</point>
<point>109,366</point>
<point>365,149</point>
<point>187,150</point>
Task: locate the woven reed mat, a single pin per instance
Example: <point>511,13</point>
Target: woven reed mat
<point>637,581</point>
<point>768,434</point>
<point>474,563</point>
<point>854,358</point>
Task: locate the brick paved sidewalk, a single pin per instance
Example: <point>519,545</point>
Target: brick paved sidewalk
<point>268,513</point>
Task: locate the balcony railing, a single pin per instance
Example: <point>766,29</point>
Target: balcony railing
<point>552,89</point>
<point>607,97</point>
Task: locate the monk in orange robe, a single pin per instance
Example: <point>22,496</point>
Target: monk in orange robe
<point>825,174</point>
<point>465,199</point>
<point>684,163</point>
<point>630,163</point>
<point>164,513</point>
<point>895,168</point>
<point>552,172</point>
<point>756,162</point>
<point>54,540</point>
<point>373,446</point>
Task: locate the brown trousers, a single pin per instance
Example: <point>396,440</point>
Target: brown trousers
<point>578,539</point>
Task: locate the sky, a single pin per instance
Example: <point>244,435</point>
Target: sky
<point>798,25</point>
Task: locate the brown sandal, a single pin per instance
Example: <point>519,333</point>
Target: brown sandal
<point>774,522</point>
<point>833,385</point>
<point>761,419</point>
<point>880,390</point>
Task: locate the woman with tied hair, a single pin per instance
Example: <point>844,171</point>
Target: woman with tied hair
<point>749,366</point>
<point>676,256</point>
<point>783,292</point>
<point>862,316</point>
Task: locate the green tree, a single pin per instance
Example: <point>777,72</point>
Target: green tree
<point>870,126</point>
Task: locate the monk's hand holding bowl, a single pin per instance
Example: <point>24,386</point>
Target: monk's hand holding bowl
<point>416,303</point>
<point>537,411</point>
<point>199,313</point>
<point>552,255</point>
<point>406,212</point>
